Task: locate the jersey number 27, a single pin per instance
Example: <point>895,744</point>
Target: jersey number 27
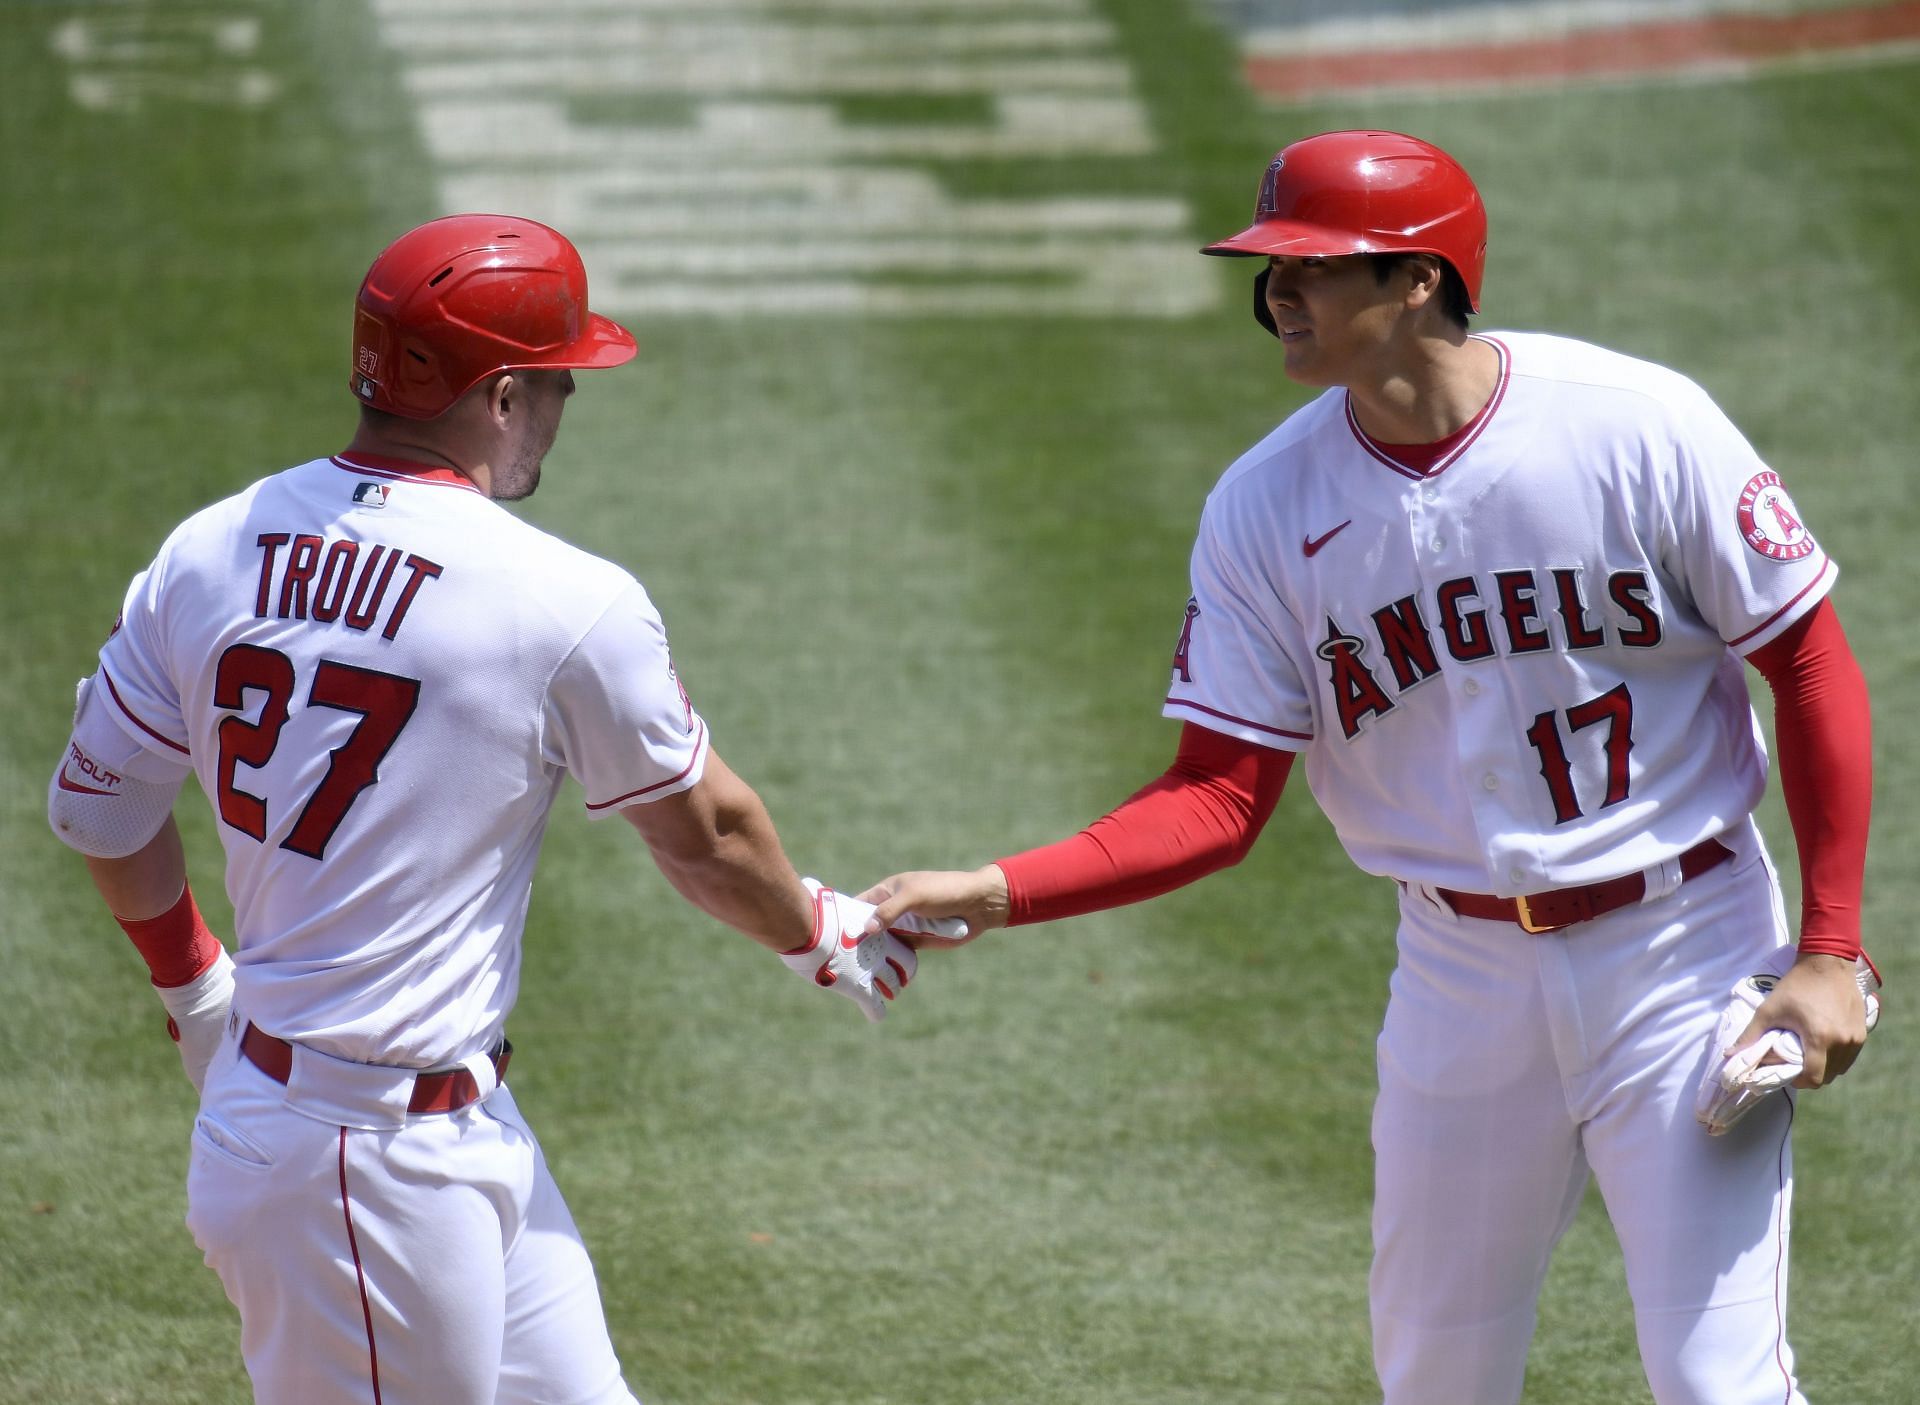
<point>384,701</point>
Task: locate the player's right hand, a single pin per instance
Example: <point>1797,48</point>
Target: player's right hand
<point>976,900</point>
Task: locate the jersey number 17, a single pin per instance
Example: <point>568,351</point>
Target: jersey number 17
<point>1613,707</point>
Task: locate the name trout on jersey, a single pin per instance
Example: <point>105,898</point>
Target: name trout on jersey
<point>1526,612</point>
<point>326,581</point>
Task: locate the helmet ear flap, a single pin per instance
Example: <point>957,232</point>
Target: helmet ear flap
<point>1261,312</point>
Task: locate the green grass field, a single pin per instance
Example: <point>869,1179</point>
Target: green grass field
<point>923,578</point>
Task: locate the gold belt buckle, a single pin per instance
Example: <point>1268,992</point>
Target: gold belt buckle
<point>1527,924</point>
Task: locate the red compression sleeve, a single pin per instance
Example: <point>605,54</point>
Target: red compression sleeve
<point>177,945</point>
<point>1824,727</point>
<point>1202,815</point>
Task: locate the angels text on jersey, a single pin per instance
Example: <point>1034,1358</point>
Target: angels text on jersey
<point>1469,619</point>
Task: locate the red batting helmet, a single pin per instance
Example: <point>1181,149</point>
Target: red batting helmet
<point>450,303</point>
<point>1367,193</point>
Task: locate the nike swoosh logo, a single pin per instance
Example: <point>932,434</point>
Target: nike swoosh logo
<point>66,784</point>
<point>850,942</point>
<point>1312,545</point>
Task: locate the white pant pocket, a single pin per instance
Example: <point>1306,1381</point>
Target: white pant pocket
<point>219,1138</point>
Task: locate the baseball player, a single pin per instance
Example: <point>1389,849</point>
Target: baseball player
<point>381,678</point>
<point>1496,589</point>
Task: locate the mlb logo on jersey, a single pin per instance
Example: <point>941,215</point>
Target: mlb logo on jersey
<point>370,494</point>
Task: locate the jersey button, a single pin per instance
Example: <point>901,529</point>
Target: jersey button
<point>1431,494</point>
<point>1518,875</point>
<point>1490,781</point>
<point>1471,687</point>
<point>1438,543</point>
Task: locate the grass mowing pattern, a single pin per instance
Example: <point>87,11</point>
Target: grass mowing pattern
<point>923,581</point>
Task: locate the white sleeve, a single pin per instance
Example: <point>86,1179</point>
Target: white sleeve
<point>110,794</point>
<point>1232,672</point>
<point>137,684</point>
<point>1745,554</point>
<point>616,716</point>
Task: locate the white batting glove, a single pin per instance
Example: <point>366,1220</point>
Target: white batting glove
<point>1736,1083</point>
<point>868,970</point>
<point>197,1015</point>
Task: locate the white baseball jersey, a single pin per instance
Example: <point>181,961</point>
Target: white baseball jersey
<point>1520,669</point>
<point>380,678</point>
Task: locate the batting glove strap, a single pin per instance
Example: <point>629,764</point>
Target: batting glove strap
<point>197,1015</point>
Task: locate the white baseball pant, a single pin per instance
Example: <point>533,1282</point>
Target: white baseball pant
<point>1512,1067</point>
<point>410,1259</point>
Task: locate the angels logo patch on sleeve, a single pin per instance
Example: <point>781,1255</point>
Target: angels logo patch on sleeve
<point>1769,522</point>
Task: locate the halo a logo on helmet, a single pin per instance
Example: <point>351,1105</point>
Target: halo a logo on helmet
<point>1269,202</point>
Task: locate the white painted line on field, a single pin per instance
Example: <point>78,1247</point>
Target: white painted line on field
<point>543,130</point>
<point>409,9</point>
<point>1159,290</point>
<point>720,74</point>
<point>902,43</point>
<point>750,188</point>
<point>131,91</point>
<point>146,38</point>
<point>802,202</point>
<point>118,62</point>
<point>751,257</point>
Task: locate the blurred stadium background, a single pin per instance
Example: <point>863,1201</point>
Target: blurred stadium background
<point>931,389</point>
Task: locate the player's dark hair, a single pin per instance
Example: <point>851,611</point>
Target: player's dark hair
<point>1453,289</point>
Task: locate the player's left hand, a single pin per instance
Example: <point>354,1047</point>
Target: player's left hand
<point>1755,1051</point>
<point>197,1016</point>
<point>1826,1002</point>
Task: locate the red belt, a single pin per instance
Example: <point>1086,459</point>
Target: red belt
<point>432,1092</point>
<point>1562,907</point>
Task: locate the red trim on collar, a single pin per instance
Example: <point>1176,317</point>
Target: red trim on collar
<point>1445,452</point>
<point>404,470</point>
